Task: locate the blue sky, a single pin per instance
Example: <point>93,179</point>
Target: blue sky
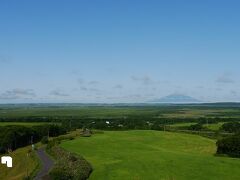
<point>118,51</point>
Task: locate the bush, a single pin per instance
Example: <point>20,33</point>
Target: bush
<point>231,127</point>
<point>71,138</point>
<point>44,140</point>
<point>229,146</point>
<point>27,178</point>
<point>69,166</point>
<point>196,127</point>
<point>51,144</point>
<point>157,126</point>
<point>60,173</point>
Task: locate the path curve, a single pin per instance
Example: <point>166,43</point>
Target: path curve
<point>46,162</point>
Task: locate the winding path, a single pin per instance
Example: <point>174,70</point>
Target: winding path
<point>47,164</point>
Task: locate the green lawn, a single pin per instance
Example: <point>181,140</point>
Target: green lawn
<point>153,155</point>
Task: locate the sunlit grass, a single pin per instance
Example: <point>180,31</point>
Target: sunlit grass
<point>153,155</point>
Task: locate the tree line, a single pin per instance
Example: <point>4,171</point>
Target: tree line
<point>14,136</point>
<point>230,145</point>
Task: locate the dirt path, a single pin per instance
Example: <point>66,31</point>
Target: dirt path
<point>46,161</point>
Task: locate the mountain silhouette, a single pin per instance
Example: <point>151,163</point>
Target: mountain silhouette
<point>176,98</point>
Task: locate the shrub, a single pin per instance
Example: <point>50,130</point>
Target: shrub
<point>196,127</point>
<point>229,146</point>
<point>26,178</point>
<point>44,140</point>
<point>52,144</point>
<point>231,127</point>
<point>157,126</point>
<point>60,173</point>
<point>69,166</point>
<point>71,138</point>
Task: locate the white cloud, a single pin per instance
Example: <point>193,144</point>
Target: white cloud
<point>146,80</point>
<point>58,92</point>
<point>225,79</point>
<point>18,94</point>
<point>118,86</point>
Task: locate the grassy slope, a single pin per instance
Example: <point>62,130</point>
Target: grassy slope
<point>22,165</point>
<point>153,155</point>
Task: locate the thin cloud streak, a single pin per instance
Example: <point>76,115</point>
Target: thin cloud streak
<point>17,94</point>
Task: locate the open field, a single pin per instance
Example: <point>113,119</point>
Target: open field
<point>131,154</point>
<point>119,111</point>
<point>213,127</point>
<point>153,155</point>
<point>182,124</point>
<point>27,124</point>
<point>23,165</point>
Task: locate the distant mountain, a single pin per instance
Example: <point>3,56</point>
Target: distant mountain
<point>176,98</point>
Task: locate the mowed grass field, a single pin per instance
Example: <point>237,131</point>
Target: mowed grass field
<point>153,155</point>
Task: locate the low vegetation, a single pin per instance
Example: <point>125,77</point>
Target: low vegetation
<point>196,127</point>
<point>68,166</point>
<point>231,127</point>
<point>229,146</point>
<point>153,155</point>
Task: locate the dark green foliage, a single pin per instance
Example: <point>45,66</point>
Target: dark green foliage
<point>13,137</point>
<point>69,166</point>
<point>209,120</point>
<point>60,173</point>
<point>71,138</point>
<point>157,126</point>
<point>27,178</point>
<point>231,127</point>
<point>229,146</point>
<point>44,140</point>
<point>196,127</point>
<point>52,144</point>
